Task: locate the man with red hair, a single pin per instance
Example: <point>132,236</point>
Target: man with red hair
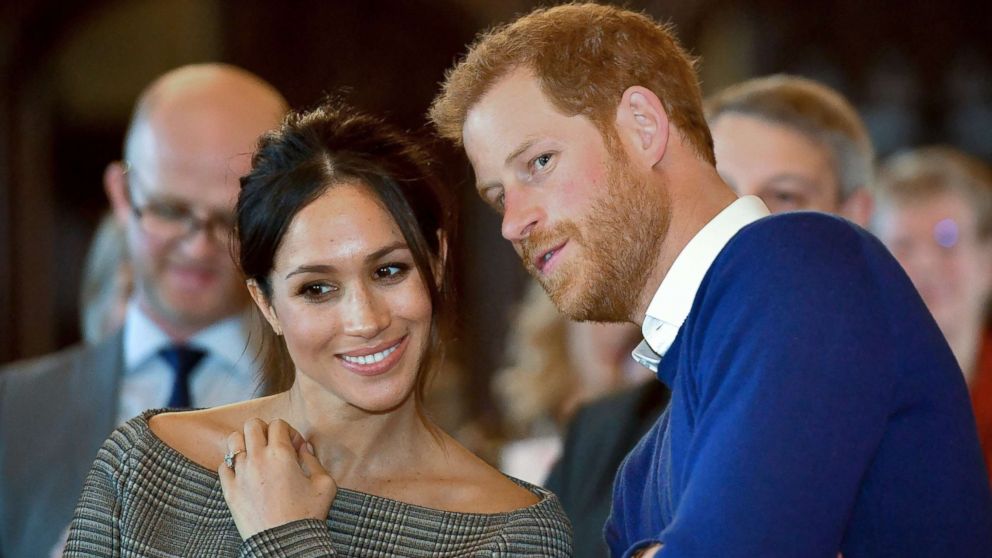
<point>815,408</point>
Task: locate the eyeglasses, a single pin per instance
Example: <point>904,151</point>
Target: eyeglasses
<point>168,220</point>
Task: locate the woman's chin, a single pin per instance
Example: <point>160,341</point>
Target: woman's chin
<point>387,403</point>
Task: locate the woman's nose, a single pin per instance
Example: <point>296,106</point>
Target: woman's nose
<point>365,315</point>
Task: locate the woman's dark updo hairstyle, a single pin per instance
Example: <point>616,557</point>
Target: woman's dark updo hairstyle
<point>311,153</point>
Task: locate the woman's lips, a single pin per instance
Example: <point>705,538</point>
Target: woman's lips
<point>375,360</point>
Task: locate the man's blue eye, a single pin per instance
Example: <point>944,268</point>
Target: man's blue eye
<point>542,161</point>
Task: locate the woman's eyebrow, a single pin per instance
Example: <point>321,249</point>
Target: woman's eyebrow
<point>327,268</point>
<point>398,245</point>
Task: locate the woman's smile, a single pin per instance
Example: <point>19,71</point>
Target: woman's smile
<point>376,360</point>
<point>349,299</point>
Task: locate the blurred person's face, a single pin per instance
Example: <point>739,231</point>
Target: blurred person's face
<point>576,213</point>
<point>935,239</point>
<point>349,301</point>
<point>184,167</point>
<point>783,167</point>
<point>600,355</point>
<point>183,277</point>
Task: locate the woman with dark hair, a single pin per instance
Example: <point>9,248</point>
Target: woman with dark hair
<point>342,233</point>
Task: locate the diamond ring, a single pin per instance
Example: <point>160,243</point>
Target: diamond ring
<point>229,458</point>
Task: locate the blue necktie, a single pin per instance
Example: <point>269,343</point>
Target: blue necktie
<point>183,360</point>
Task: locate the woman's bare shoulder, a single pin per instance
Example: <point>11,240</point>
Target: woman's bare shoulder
<point>480,487</point>
<point>201,435</point>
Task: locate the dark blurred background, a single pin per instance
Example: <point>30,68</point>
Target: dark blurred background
<point>920,71</point>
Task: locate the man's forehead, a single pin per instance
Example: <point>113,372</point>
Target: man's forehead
<point>515,113</point>
<point>205,167</point>
<point>193,139</point>
<point>173,148</point>
<point>207,183</point>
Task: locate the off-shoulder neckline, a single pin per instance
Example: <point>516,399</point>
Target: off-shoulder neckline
<point>543,494</point>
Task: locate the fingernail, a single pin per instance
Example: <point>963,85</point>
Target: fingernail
<point>310,449</point>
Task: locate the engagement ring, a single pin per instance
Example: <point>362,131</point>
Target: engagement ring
<point>229,458</point>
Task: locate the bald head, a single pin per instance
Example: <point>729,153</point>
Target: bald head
<point>218,106</point>
<point>190,141</point>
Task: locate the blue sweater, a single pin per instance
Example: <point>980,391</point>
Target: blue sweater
<point>815,409</point>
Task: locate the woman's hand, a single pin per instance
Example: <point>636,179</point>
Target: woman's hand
<point>275,479</point>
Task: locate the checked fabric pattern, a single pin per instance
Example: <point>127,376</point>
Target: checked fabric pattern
<point>143,498</point>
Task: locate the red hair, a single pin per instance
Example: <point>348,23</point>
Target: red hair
<point>585,56</point>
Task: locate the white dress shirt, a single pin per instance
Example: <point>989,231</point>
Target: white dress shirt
<point>674,297</point>
<point>226,374</point>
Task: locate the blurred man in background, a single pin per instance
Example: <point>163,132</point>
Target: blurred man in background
<point>934,212</point>
<point>184,341</point>
<point>796,144</point>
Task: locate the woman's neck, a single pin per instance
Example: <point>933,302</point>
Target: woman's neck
<point>357,447</point>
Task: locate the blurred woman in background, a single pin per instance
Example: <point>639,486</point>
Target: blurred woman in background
<point>934,212</point>
<point>554,365</point>
<point>106,284</point>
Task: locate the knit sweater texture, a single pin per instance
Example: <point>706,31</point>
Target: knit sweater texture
<point>815,410</point>
<point>144,498</point>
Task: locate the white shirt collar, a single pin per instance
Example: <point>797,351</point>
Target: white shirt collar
<point>674,297</point>
<point>226,340</point>
<point>142,338</point>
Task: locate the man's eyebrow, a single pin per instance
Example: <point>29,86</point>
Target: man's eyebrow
<point>792,177</point>
<point>520,149</point>
<point>527,144</point>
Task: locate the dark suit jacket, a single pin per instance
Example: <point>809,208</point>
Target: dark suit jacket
<point>599,436</point>
<point>55,412</point>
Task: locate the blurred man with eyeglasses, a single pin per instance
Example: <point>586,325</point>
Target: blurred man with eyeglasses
<point>184,342</point>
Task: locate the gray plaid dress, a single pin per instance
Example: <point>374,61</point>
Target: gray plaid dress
<point>143,498</point>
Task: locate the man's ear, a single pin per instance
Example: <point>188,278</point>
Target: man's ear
<point>643,125</point>
<point>858,207</point>
<point>264,305</point>
<point>115,184</point>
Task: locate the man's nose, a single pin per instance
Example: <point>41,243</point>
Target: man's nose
<point>522,212</point>
<point>199,242</point>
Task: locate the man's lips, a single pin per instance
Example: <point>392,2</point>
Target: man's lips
<point>545,257</point>
<point>194,276</point>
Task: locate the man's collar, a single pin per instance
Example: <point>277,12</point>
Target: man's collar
<point>674,297</point>
<point>142,337</point>
<point>226,340</point>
